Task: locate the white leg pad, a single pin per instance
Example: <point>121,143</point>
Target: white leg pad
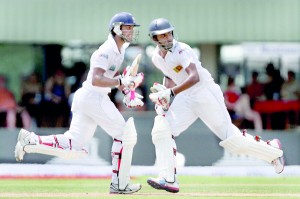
<point>62,153</point>
<point>164,145</point>
<point>247,145</point>
<point>128,142</point>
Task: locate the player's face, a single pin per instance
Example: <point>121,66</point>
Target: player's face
<point>165,40</point>
<point>128,32</point>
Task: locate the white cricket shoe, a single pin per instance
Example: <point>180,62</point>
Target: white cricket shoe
<point>130,188</point>
<point>24,138</point>
<point>161,183</point>
<point>278,163</point>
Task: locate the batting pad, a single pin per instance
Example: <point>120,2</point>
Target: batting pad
<point>128,142</point>
<point>164,143</point>
<point>49,150</point>
<point>247,145</point>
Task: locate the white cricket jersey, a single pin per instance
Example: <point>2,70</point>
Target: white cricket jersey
<point>107,57</point>
<point>176,61</point>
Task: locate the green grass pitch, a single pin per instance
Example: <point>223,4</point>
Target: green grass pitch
<point>190,187</point>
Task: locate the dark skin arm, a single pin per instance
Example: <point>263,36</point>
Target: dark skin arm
<point>101,81</point>
<point>192,79</point>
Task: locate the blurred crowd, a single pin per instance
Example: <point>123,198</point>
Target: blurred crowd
<point>41,105</point>
<point>48,103</point>
<point>241,101</point>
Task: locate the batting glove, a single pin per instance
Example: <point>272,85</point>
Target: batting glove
<point>132,81</point>
<point>132,99</point>
<point>162,98</point>
<point>157,87</point>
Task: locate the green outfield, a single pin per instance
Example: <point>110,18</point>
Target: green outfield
<point>191,187</point>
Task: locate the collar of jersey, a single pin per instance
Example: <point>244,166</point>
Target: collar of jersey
<point>174,45</point>
<point>115,47</point>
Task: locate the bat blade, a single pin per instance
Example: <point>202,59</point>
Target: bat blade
<point>135,65</point>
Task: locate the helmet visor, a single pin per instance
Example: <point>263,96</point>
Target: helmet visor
<point>130,36</point>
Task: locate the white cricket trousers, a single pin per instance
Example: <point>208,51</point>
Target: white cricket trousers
<point>205,102</point>
<point>90,109</point>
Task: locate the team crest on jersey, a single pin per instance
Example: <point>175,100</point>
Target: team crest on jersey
<point>177,69</point>
<point>112,68</point>
<point>104,55</point>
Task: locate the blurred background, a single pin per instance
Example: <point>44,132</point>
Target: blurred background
<point>251,48</point>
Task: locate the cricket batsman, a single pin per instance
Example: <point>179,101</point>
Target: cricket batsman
<point>92,107</point>
<point>194,94</point>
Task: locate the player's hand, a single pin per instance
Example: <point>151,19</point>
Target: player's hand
<point>159,108</point>
<point>132,81</point>
<point>132,99</point>
<point>157,87</point>
<point>162,98</point>
<point>161,95</point>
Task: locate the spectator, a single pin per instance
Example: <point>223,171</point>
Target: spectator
<point>291,88</point>
<point>272,90</point>
<point>10,110</point>
<point>55,105</point>
<point>273,85</point>
<point>255,89</point>
<point>231,95</point>
<point>291,91</point>
<point>31,95</point>
<point>242,108</point>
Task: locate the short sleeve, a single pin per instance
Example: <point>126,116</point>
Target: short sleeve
<point>184,57</point>
<point>100,60</point>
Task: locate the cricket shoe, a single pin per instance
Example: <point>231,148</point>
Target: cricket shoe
<point>129,189</point>
<point>24,138</point>
<point>161,183</point>
<point>278,163</point>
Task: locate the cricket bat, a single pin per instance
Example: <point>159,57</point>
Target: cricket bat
<point>133,69</point>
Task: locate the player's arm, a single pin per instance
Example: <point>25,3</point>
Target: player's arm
<point>101,81</point>
<point>162,94</point>
<point>168,82</point>
<point>193,78</point>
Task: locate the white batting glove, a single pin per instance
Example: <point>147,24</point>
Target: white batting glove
<point>132,81</point>
<point>162,98</point>
<point>132,99</point>
<point>157,87</point>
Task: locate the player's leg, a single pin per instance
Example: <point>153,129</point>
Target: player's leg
<point>125,137</point>
<point>246,144</point>
<point>165,150</point>
<point>178,118</point>
<point>67,146</point>
<point>121,161</point>
<point>212,111</point>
